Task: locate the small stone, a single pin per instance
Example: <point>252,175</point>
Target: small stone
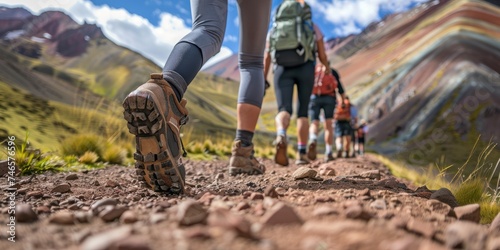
<point>242,206</point>
<point>157,218</point>
<point>371,174</point>
<point>440,208</point>
<point>304,172</point>
<point>34,194</point>
<point>256,196</point>
<point>98,205</point>
<point>128,217</point>
<point>378,204</point>
<point>25,213</point>
<point>111,213</point>
<point>61,188</point>
<point>191,212</point>
<point>111,183</point>
<point>71,177</point>
<point>421,227</point>
<point>271,192</point>
<point>328,228</point>
<point>324,210</point>
<point>62,217</point>
<point>136,242</point>
<point>225,219</point>
<point>357,213</point>
<point>105,240</point>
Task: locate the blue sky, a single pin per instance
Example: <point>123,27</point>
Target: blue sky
<point>152,27</point>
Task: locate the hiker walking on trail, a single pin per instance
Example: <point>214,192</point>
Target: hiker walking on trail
<point>323,99</point>
<point>361,132</point>
<point>343,127</point>
<point>155,111</point>
<point>354,124</point>
<point>292,45</point>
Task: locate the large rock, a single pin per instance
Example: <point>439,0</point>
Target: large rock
<point>25,213</point>
<point>471,212</point>
<point>191,212</point>
<point>281,214</point>
<point>465,235</point>
<point>444,195</point>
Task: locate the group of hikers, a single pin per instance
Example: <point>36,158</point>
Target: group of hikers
<point>294,50</point>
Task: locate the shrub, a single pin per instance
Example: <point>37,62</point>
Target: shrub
<point>469,192</point>
<point>89,158</point>
<point>114,155</point>
<point>80,144</point>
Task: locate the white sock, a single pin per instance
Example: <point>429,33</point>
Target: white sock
<point>328,149</point>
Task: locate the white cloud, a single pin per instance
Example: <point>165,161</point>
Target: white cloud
<point>126,29</point>
<point>223,54</point>
<point>351,16</point>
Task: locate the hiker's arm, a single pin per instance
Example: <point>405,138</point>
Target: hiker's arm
<point>340,88</point>
<point>322,55</point>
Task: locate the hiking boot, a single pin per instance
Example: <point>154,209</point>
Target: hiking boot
<point>328,158</point>
<point>155,116</point>
<point>347,155</point>
<point>311,152</point>
<point>242,160</point>
<point>281,156</point>
<point>339,154</point>
<point>302,159</point>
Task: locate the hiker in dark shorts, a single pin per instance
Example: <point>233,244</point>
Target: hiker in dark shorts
<point>354,124</point>
<point>155,111</point>
<point>327,102</point>
<point>361,132</point>
<point>343,129</point>
<point>285,79</point>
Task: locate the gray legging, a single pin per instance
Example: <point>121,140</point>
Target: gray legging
<point>205,40</point>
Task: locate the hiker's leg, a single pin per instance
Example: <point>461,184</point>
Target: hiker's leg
<point>314,112</point>
<point>328,135</point>
<point>329,108</point>
<point>254,21</point>
<point>194,49</point>
<point>305,82</point>
<point>313,130</point>
<point>283,88</point>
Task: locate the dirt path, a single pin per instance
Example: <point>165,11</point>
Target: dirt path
<point>350,204</point>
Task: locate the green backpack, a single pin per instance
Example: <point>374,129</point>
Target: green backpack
<point>292,41</point>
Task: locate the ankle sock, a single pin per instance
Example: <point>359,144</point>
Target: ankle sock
<point>328,149</point>
<point>245,137</point>
<point>302,148</point>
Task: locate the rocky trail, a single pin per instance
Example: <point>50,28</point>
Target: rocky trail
<point>344,204</point>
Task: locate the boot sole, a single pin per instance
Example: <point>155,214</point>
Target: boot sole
<point>281,157</point>
<point>144,120</point>
<point>311,154</point>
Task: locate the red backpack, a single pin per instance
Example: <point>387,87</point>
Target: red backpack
<point>324,84</point>
<point>361,132</point>
<point>343,112</point>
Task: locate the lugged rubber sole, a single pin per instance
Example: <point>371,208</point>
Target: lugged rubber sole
<point>281,156</point>
<point>155,165</point>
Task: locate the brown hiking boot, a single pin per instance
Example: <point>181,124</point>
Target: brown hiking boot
<point>311,152</point>
<point>339,154</point>
<point>328,158</point>
<point>281,156</point>
<point>242,160</point>
<point>302,159</point>
<point>155,116</point>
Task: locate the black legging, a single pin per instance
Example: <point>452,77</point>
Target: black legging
<point>284,80</point>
